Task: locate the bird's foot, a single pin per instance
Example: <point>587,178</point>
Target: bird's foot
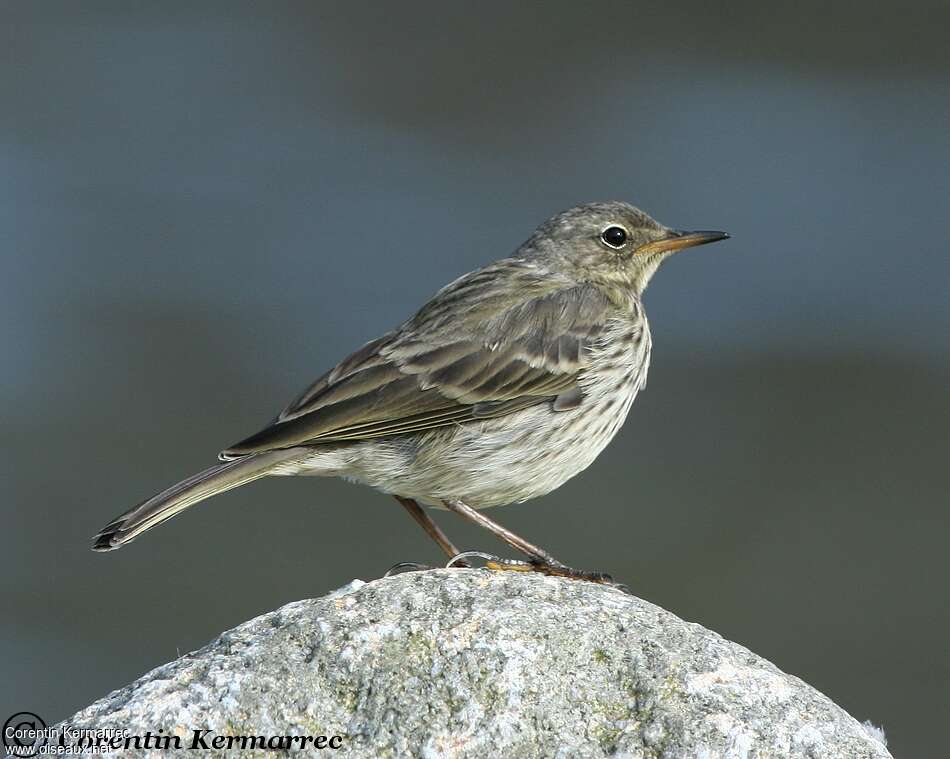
<point>458,562</point>
<point>552,569</point>
<point>407,566</point>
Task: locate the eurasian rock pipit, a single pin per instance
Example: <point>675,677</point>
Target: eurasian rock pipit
<point>508,382</point>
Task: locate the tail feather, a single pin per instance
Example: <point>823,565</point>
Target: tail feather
<point>163,506</point>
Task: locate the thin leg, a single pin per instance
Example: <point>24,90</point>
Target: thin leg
<point>539,559</point>
<point>429,525</point>
<point>505,534</point>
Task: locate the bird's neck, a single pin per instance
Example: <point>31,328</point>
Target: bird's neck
<point>622,296</point>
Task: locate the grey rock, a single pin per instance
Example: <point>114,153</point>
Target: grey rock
<point>473,663</point>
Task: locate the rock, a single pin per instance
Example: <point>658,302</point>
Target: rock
<point>473,663</point>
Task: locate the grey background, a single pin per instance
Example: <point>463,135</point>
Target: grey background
<point>203,205</point>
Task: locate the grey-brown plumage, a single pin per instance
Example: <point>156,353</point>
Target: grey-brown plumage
<point>509,381</point>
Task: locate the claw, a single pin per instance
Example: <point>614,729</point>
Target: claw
<point>461,559</point>
<point>406,566</point>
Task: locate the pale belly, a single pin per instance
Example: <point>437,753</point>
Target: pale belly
<point>494,462</point>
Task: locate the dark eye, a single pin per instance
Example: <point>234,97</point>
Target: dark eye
<point>615,237</point>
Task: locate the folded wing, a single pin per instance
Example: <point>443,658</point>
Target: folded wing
<point>491,343</point>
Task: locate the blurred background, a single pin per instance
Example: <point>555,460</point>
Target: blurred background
<point>204,205</point>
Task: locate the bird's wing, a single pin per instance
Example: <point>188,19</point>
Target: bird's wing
<point>494,341</point>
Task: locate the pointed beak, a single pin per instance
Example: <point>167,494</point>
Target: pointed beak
<point>676,240</point>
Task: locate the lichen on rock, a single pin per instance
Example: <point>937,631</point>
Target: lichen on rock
<point>474,663</point>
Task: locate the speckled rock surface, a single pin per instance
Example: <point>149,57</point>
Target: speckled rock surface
<point>472,663</point>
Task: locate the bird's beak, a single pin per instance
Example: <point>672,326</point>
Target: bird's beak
<point>676,240</point>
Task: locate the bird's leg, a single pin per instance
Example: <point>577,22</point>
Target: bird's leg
<point>432,529</point>
<point>539,560</point>
<point>515,541</point>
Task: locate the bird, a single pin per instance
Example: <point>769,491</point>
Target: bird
<point>508,382</point>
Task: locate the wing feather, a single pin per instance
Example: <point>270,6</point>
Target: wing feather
<point>494,342</point>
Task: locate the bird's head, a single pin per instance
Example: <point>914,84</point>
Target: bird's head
<point>612,245</point>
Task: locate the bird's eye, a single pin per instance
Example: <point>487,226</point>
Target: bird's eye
<point>615,237</point>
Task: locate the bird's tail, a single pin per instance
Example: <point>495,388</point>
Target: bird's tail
<point>195,489</point>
